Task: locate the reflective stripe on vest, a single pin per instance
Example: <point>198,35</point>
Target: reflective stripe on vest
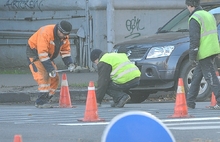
<point>119,67</point>
<point>124,73</point>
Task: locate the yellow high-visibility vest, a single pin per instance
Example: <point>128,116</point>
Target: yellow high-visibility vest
<point>122,69</point>
<point>209,44</point>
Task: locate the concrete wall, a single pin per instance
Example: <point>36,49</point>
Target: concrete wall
<point>21,18</point>
<point>131,19</point>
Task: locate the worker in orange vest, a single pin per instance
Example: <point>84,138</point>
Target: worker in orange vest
<point>42,48</point>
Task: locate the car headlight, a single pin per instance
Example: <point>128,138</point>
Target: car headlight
<point>156,52</point>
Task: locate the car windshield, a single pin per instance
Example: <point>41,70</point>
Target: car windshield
<point>180,22</point>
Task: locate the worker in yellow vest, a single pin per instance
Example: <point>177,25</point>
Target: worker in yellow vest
<point>116,75</point>
<point>204,47</point>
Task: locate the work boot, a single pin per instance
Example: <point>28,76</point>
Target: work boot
<point>113,104</point>
<point>43,101</point>
<point>191,107</point>
<point>217,107</point>
<point>122,101</point>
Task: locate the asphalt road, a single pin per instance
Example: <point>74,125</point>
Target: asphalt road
<point>63,125</point>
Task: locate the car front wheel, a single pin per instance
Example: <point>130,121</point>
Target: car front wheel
<point>186,73</point>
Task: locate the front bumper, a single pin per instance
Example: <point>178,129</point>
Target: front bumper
<point>157,74</point>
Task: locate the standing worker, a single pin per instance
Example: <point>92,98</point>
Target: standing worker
<point>43,47</point>
<point>204,47</point>
<point>116,75</point>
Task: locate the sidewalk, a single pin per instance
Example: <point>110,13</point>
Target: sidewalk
<point>16,88</point>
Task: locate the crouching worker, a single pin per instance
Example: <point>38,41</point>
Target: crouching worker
<point>116,75</point>
<point>43,47</point>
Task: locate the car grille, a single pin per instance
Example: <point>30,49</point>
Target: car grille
<point>133,53</point>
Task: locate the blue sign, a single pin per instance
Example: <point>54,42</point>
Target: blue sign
<point>136,126</point>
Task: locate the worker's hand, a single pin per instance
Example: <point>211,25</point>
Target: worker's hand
<point>52,73</point>
<point>71,67</point>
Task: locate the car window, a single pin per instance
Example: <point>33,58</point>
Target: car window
<point>180,22</point>
<point>216,13</point>
<point>217,17</point>
<point>215,10</point>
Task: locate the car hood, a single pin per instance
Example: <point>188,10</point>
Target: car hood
<point>137,49</point>
<point>160,39</point>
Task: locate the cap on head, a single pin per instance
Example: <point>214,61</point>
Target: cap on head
<point>65,27</point>
<point>194,3</point>
<point>95,54</point>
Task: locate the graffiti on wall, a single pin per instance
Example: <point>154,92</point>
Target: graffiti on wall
<point>133,26</point>
<point>22,4</point>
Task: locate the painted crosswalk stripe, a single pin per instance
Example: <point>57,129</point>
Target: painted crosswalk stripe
<point>173,124</point>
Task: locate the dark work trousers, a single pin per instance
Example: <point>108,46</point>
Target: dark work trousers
<point>206,69</point>
<point>117,91</point>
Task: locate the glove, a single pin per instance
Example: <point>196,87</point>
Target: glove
<point>53,73</point>
<point>193,63</point>
<point>71,67</point>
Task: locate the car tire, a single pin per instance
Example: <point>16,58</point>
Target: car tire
<point>138,96</point>
<point>186,72</point>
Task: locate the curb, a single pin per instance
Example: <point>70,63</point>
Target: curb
<point>24,97</point>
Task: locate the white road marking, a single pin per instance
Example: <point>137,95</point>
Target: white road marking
<point>174,124</point>
<point>194,128</point>
<point>83,124</point>
<point>194,123</point>
<point>190,119</point>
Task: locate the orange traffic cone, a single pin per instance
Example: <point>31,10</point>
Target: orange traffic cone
<point>213,100</point>
<point>65,100</point>
<point>17,138</point>
<point>91,111</point>
<point>180,109</point>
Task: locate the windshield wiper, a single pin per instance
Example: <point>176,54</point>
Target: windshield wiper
<point>182,30</point>
<point>163,31</point>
